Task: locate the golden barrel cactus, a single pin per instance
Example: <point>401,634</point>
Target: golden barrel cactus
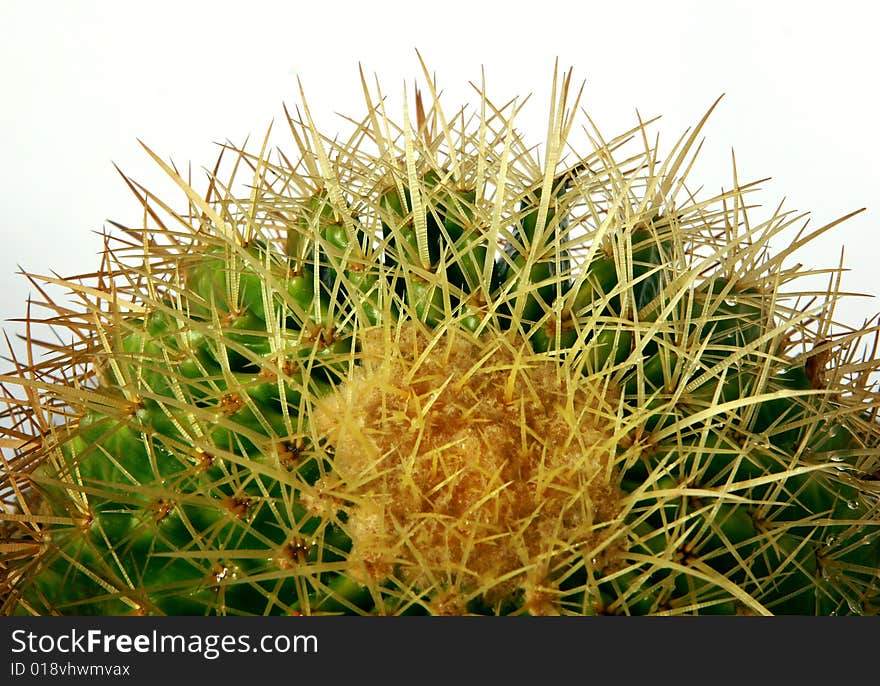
<point>427,370</point>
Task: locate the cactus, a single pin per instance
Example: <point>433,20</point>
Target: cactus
<point>424,370</point>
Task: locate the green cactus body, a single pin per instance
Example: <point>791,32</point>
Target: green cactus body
<point>448,380</point>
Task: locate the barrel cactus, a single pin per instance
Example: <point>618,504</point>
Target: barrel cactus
<point>428,370</point>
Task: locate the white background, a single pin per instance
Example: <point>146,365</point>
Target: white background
<point>82,81</point>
